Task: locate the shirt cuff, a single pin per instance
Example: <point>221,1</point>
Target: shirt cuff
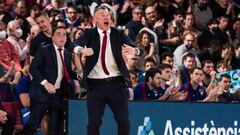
<point>77,49</point>
<point>44,82</point>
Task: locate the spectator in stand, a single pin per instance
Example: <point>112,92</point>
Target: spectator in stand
<point>221,32</point>
<point>186,47</point>
<point>221,93</point>
<point>195,92</point>
<point>221,66</point>
<point>35,8</point>
<point>135,24</point>
<point>234,31</point>
<point>150,88</point>
<point>208,35</point>
<point>153,22</point>
<point>4,15</point>
<point>15,32</point>
<point>202,14</point>
<point>207,68</point>
<point>167,58</point>
<point>8,53</point>
<point>72,16</point>
<point>149,63</point>
<point>236,57</point>
<point>7,122</point>
<point>78,33</point>
<point>19,8</point>
<point>143,41</point>
<point>189,22</point>
<point>222,7</point>
<point>132,63</point>
<point>189,63</point>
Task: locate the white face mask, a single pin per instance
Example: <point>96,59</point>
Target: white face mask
<point>19,32</point>
<point>3,34</point>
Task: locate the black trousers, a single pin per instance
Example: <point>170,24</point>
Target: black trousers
<point>110,92</point>
<point>55,111</point>
<point>8,127</point>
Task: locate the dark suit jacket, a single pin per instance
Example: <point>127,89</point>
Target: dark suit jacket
<point>91,39</point>
<point>44,66</point>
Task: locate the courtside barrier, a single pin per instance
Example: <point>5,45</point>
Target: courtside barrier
<point>163,118</point>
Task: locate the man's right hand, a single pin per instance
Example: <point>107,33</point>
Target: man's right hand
<point>50,88</point>
<point>3,117</point>
<point>86,51</point>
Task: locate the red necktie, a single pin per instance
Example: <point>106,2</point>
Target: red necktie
<point>64,67</point>
<point>104,46</point>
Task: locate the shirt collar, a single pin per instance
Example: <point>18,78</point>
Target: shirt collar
<point>100,31</point>
<point>56,47</point>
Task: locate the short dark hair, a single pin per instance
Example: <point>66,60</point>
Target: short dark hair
<point>225,75</point>
<point>162,66</point>
<point>72,6</point>
<point>55,23</point>
<point>150,60</point>
<point>151,73</point>
<point>166,54</point>
<point>54,29</point>
<point>191,71</point>
<point>205,61</point>
<point>191,55</point>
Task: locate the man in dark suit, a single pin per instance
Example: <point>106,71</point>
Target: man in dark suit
<point>51,70</point>
<point>7,122</point>
<point>105,74</point>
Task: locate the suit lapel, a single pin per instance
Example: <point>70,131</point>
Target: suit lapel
<point>53,56</point>
<point>96,45</point>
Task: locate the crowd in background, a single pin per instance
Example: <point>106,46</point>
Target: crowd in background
<point>186,43</point>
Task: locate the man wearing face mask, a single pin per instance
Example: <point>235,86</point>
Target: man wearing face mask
<point>203,14</point>
<point>15,32</point>
<point>185,48</point>
<point>7,51</point>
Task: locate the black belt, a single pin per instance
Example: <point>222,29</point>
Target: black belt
<point>102,80</point>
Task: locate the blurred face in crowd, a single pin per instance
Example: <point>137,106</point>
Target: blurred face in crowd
<point>137,14</point>
<point>133,78</point>
<point>236,25</point>
<point>151,14</point>
<point>78,34</point>
<point>149,65</point>
<point>189,63</point>
<point>15,29</point>
<point>168,60</point>
<point>156,80</point>
<point>189,20</point>
<point>145,40</point>
<point>166,74</point>
<point>196,76</point>
<point>33,12</point>
<point>72,14</point>
<point>189,39</point>
<point>237,52</point>
<point>208,67</point>
<point>102,19</point>
<point>225,82</point>
<point>44,23</point>
<point>223,23</point>
<point>59,37</point>
<point>20,9</point>
<point>222,68</point>
<point>178,18</point>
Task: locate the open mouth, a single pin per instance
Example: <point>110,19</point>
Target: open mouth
<point>106,23</point>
